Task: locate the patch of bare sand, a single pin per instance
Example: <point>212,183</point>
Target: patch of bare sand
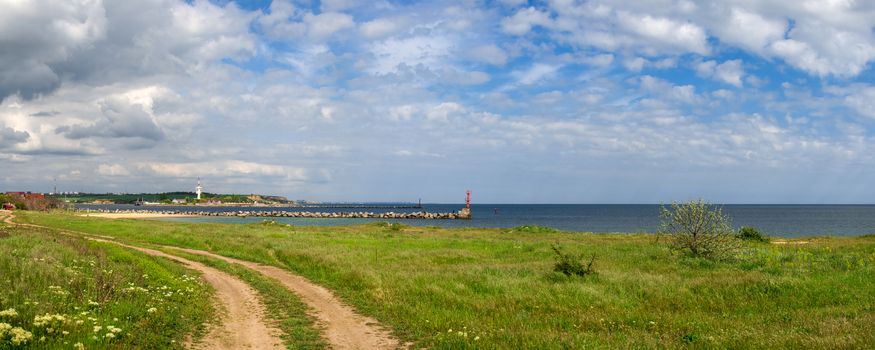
<point>783,242</point>
<point>136,215</point>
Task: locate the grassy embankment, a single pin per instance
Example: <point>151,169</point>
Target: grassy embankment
<point>491,288</point>
<point>64,292</point>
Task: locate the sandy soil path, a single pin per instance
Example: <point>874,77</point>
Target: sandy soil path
<point>344,328</point>
<point>242,325</point>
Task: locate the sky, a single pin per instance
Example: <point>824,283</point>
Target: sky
<point>562,101</point>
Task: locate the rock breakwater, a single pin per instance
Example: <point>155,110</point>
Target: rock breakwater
<point>288,214</point>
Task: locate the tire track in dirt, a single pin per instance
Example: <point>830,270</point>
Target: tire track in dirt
<point>344,328</point>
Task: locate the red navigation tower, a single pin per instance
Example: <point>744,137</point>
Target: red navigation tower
<point>468,199</point>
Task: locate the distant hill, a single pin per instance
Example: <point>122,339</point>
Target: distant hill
<point>169,197</point>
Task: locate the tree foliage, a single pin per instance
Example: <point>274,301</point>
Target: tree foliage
<point>698,228</point>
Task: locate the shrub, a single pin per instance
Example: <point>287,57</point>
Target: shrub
<point>572,264</point>
<point>698,228</point>
<point>748,233</point>
<point>534,229</point>
<point>391,226</point>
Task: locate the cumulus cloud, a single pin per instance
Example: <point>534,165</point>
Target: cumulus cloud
<point>381,27</point>
<point>120,119</point>
<point>821,38</point>
<point>863,101</point>
<point>286,22</point>
<point>37,37</point>
<point>426,51</point>
<point>729,72</point>
<point>523,21</point>
<point>10,136</point>
<point>229,168</point>
<point>113,170</point>
<point>328,94</point>
<point>489,53</point>
<point>535,73</point>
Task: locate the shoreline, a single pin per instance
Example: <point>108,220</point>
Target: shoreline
<point>136,215</point>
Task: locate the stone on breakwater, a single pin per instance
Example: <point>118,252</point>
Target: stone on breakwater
<point>293,214</point>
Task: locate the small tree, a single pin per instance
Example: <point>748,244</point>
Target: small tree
<point>699,229</point>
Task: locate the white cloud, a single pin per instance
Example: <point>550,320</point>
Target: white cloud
<point>113,170</point>
<point>635,64</point>
<point>523,21</point>
<point>536,73</point>
<point>285,22</point>
<point>381,27</point>
<point>426,51</point>
<point>489,53</point>
<point>681,93</point>
<point>863,101</point>
<point>730,72</point>
<point>327,23</point>
<point>750,30</point>
<point>687,37</point>
<point>229,168</point>
<point>601,60</point>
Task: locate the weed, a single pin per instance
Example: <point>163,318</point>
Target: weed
<point>572,264</point>
<point>534,229</point>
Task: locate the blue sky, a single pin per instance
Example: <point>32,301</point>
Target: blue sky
<point>523,102</point>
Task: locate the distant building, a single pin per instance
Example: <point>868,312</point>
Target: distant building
<point>178,201</point>
<point>8,206</point>
<point>199,189</point>
<point>27,195</point>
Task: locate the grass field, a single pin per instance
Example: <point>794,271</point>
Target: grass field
<point>64,292</point>
<point>495,289</point>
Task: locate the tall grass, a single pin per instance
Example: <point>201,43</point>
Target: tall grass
<point>496,289</point>
<point>64,292</point>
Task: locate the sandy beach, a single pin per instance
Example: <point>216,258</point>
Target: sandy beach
<point>137,215</point>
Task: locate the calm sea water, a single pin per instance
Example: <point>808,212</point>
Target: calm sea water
<point>776,220</point>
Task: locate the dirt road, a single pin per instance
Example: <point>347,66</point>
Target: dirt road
<point>242,324</point>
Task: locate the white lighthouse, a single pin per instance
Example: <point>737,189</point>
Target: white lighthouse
<point>199,189</point>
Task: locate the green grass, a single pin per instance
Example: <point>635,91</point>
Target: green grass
<point>67,291</point>
<point>495,289</point>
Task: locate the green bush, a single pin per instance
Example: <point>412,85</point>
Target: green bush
<point>534,229</point>
<point>748,233</point>
<point>699,229</point>
<point>572,264</point>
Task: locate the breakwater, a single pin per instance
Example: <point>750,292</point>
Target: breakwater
<point>290,214</point>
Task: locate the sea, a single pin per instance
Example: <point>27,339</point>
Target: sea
<point>782,220</point>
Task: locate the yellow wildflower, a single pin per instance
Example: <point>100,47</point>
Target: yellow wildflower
<point>8,313</point>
